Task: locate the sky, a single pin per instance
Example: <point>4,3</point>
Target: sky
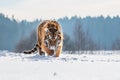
<point>50,9</point>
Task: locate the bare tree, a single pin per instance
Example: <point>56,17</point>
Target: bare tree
<point>82,39</point>
<point>116,44</point>
<point>79,37</point>
<point>26,43</point>
<point>68,44</point>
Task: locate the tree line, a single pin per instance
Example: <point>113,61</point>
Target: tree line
<point>81,41</point>
<point>77,33</point>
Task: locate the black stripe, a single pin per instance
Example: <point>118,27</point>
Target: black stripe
<point>29,52</point>
<point>35,49</point>
<point>32,50</point>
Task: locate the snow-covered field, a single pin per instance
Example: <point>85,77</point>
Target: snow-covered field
<point>16,66</point>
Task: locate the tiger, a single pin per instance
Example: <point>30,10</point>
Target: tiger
<point>49,39</point>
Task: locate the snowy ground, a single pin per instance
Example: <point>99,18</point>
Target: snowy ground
<point>15,66</point>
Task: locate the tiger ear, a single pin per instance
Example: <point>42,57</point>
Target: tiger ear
<point>48,25</point>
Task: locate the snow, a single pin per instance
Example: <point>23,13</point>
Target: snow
<point>16,66</point>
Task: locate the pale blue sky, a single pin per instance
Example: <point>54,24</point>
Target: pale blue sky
<point>49,9</point>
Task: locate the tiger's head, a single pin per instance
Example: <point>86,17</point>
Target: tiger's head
<point>53,35</point>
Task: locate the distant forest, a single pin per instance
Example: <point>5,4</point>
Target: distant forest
<point>88,33</point>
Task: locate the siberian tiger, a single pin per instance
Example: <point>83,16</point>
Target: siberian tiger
<point>50,39</point>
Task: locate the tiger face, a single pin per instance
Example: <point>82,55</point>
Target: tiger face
<point>52,37</point>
